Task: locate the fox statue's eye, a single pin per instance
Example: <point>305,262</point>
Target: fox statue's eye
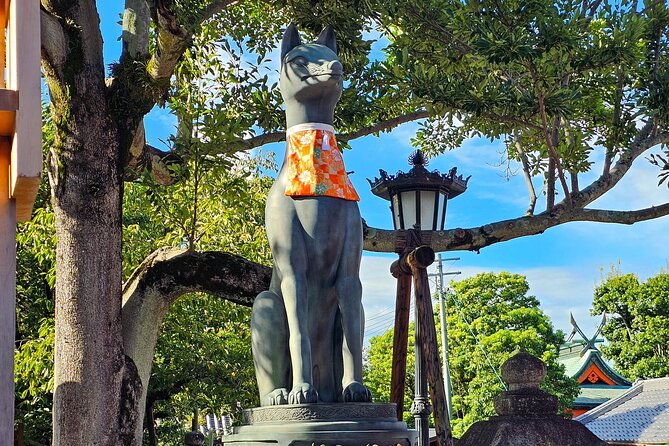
<point>300,61</point>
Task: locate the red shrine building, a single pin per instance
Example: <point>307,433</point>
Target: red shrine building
<point>582,360</point>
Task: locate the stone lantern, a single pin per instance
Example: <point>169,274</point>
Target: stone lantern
<point>526,415</point>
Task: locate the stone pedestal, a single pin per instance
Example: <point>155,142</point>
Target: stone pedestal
<point>344,424</point>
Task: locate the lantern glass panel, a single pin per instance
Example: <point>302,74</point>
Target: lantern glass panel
<point>408,200</point>
<point>427,203</point>
<point>396,211</point>
<point>440,213</point>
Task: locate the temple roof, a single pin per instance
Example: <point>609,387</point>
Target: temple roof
<point>577,364</point>
<point>638,416</point>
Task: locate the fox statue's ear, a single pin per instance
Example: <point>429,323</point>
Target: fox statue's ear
<point>291,39</point>
<point>327,38</point>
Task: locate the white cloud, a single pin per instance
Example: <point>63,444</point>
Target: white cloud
<point>638,189</point>
<point>480,153</point>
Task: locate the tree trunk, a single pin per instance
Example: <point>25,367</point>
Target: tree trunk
<point>89,362</point>
<point>94,387</point>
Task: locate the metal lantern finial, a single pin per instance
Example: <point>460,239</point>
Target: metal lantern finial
<point>417,158</point>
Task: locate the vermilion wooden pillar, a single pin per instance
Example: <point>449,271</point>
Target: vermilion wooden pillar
<point>7,297</point>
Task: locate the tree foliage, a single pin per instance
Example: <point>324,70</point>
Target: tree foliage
<point>555,80</point>
<point>637,329</point>
<point>498,311</point>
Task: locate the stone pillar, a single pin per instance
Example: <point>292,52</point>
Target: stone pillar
<point>527,415</point>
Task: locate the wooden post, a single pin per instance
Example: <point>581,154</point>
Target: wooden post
<point>7,297</point>
<point>419,260</point>
<point>400,339</point>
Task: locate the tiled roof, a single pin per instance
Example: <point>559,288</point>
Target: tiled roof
<point>591,396</point>
<point>640,415</point>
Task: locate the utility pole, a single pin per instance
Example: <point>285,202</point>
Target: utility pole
<point>444,329</point>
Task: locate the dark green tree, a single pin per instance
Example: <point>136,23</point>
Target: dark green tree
<point>637,329</point>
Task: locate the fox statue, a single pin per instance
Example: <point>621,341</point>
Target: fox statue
<point>307,329</point>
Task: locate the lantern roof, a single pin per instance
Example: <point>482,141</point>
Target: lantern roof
<point>418,178</point>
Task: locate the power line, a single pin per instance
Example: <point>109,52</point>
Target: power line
<point>476,340</point>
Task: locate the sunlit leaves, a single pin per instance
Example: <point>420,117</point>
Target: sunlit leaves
<point>489,67</point>
<point>638,324</point>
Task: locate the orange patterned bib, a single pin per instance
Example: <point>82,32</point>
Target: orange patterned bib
<point>315,165</point>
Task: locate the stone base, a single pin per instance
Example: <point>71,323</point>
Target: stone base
<point>550,430</point>
<point>345,424</point>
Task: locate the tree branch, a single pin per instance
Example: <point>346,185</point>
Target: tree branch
<point>474,239</point>
<point>141,80</point>
<point>384,126</point>
<point>550,184</point>
<point>646,138</point>
<point>167,274</point>
<point>528,178</point>
<point>553,138</point>
<point>214,8</point>
<point>144,156</point>
<point>381,126</point>
<point>136,20</point>
<point>511,120</point>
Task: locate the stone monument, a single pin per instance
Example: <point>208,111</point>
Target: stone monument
<point>307,329</point>
<point>527,416</point>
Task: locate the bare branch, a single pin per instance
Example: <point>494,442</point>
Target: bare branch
<point>381,126</point>
<point>622,217</point>
<point>384,126</point>
<point>574,182</point>
<point>528,179</point>
<point>172,272</point>
<point>257,141</point>
<point>550,184</point>
<point>474,239</point>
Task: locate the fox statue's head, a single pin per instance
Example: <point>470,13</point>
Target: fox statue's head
<point>311,77</point>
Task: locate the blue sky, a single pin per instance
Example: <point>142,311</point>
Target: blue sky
<point>563,265</point>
